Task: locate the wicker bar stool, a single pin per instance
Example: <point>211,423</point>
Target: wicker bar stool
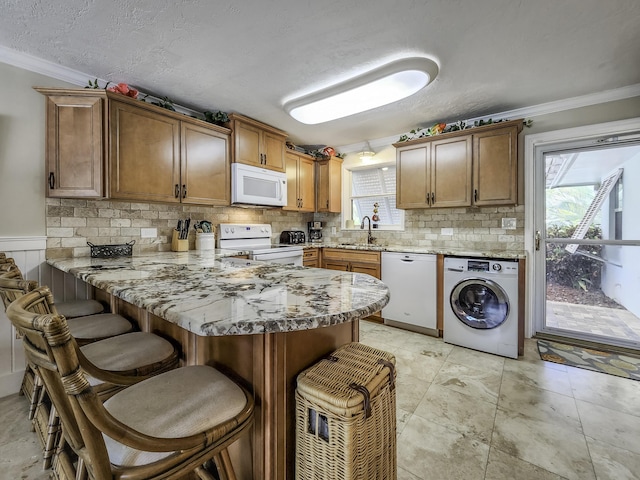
<point>85,329</point>
<point>71,308</point>
<point>135,354</point>
<point>164,427</point>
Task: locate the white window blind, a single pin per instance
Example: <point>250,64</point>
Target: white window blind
<point>371,185</point>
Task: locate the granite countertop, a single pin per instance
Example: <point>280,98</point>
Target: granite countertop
<point>413,249</point>
<point>210,294</point>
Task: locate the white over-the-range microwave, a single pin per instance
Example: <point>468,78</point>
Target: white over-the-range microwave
<point>257,186</point>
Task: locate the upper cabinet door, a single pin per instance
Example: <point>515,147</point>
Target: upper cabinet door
<point>412,182</point>
<point>256,143</point>
<point>495,167</point>
<point>306,184</point>
<point>293,201</point>
<point>329,185</point>
<point>247,144</point>
<point>145,154</point>
<point>274,147</point>
<point>75,147</point>
<point>205,166</point>
<point>451,172</point>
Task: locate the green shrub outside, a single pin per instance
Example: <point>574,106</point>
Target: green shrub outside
<point>573,270</point>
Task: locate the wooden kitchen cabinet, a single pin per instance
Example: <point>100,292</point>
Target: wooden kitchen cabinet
<point>469,167</point>
<point>301,191</point>
<point>495,166</point>
<point>205,167</point>
<point>159,156</point>
<point>360,261</point>
<point>75,149</point>
<point>256,143</point>
<point>356,261</point>
<point>437,174</point>
<point>329,185</point>
<point>311,257</point>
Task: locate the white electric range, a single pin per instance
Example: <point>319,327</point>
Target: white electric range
<point>256,238</point>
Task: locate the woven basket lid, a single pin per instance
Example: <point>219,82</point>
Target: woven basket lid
<point>335,382</point>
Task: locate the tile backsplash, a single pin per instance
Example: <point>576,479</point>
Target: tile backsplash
<point>71,223</point>
<point>472,229</point>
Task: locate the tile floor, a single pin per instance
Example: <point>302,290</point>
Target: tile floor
<point>466,415</point>
<point>608,322</point>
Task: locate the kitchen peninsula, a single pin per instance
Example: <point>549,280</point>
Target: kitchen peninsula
<point>263,322</point>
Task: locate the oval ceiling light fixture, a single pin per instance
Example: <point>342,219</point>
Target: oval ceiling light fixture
<point>381,86</point>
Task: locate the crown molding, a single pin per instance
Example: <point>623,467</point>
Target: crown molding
<point>44,67</point>
<point>621,93</point>
<point>75,77</point>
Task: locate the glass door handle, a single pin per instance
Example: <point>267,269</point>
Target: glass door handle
<point>537,240</point>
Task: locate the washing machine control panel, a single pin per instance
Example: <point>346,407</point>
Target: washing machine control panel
<point>491,267</point>
<point>478,265</point>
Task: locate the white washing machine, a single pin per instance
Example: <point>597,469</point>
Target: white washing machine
<point>481,305</point>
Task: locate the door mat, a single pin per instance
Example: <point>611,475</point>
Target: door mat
<point>596,360</point>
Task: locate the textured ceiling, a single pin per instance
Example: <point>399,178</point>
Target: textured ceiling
<point>253,56</point>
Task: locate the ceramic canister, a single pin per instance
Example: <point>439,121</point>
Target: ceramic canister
<point>205,241</point>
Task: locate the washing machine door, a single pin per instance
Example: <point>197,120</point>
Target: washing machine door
<point>480,303</point>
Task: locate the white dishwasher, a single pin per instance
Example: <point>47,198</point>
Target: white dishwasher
<point>411,278</point>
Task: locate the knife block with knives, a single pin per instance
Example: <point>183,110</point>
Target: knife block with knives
<point>179,237</point>
<point>178,245</point>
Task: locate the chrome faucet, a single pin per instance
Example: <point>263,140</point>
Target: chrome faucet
<point>370,239</point>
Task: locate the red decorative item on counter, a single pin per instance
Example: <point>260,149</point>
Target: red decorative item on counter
<point>124,89</point>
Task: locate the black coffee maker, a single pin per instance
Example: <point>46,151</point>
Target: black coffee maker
<point>315,231</point>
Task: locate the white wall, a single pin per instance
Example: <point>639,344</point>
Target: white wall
<point>621,275</point>
<point>22,132</point>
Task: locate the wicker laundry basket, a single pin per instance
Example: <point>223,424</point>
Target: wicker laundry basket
<point>346,416</point>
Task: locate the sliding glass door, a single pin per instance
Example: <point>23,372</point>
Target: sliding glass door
<point>588,231</point>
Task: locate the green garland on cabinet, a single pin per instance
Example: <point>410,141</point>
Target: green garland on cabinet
<point>438,128</point>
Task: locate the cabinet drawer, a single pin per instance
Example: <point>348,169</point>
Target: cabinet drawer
<point>310,254</point>
<point>361,256</point>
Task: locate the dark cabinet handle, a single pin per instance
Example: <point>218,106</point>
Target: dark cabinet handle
<point>52,181</point>
<point>184,191</point>
<point>433,199</point>
<point>177,191</point>
<point>428,199</point>
<point>475,195</point>
<point>265,158</point>
<point>327,203</point>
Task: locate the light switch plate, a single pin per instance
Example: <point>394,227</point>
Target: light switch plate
<point>509,223</point>
<point>148,232</point>
<point>446,231</point>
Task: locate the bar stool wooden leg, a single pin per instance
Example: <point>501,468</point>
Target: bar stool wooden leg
<point>81,470</point>
<point>53,432</point>
<point>225,468</point>
<point>203,474</point>
<point>35,396</point>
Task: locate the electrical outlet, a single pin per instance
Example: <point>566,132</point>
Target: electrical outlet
<point>333,230</point>
<point>148,232</point>
<point>446,231</point>
<point>509,223</point>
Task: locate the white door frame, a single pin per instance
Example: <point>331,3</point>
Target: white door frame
<point>535,146</point>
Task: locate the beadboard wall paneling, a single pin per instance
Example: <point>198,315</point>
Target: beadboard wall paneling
<point>29,255</point>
